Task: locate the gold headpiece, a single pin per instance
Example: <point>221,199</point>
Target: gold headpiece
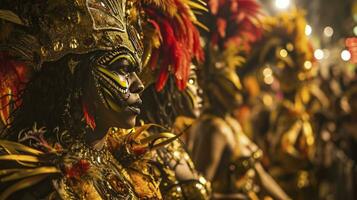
<point>57,28</point>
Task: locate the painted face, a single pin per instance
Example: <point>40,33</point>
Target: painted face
<point>193,93</point>
<point>116,88</point>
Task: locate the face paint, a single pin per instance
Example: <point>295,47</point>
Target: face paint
<point>111,76</point>
<point>193,92</point>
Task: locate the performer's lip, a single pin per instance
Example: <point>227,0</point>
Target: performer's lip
<point>200,104</point>
<point>135,107</point>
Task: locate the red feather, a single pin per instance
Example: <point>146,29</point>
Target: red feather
<point>179,46</point>
<point>235,21</point>
<point>13,76</point>
<point>77,170</point>
<point>88,117</point>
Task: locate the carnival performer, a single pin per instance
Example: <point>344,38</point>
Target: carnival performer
<point>70,97</point>
<point>289,142</point>
<point>180,179</point>
<point>220,149</point>
<point>172,91</point>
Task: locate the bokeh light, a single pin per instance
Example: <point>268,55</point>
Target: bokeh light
<point>346,55</point>
<point>319,54</point>
<point>308,30</point>
<point>282,4</point>
<point>328,31</point>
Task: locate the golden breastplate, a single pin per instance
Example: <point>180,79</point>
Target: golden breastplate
<point>172,186</point>
<point>105,178</point>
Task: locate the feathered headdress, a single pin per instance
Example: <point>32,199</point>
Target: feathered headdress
<point>33,33</point>
<point>286,31</point>
<point>235,25</point>
<point>235,22</point>
<point>172,39</point>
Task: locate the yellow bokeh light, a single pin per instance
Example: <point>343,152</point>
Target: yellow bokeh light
<point>267,72</point>
<point>268,80</point>
<point>283,53</point>
<point>308,65</point>
<point>290,47</point>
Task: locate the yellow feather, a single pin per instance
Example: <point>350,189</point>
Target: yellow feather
<point>24,158</point>
<point>156,137</point>
<point>21,185</point>
<point>197,6</point>
<point>11,17</point>
<point>14,147</point>
<point>30,172</point>
<point>162,139</point>
<point>8,171</point>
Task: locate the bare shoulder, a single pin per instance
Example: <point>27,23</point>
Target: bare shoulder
<point>213,126</point>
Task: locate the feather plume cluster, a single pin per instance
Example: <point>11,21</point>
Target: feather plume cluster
<point>235,26</point>
<point>173,39</point>
<point>235,22</point>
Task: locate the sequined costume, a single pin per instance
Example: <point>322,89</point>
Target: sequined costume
<point>179,177</point>
<point>220,149</point>
<point>172,91</point>
<point>235,176</point>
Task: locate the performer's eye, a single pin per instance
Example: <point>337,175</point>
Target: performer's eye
<point>192,81</point>
<point>122,65</point>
